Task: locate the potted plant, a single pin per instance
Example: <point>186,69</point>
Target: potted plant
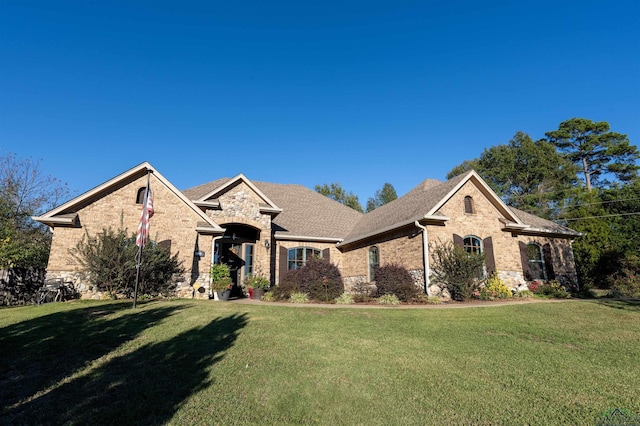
<point>257,284</point>
<point>221,282</point>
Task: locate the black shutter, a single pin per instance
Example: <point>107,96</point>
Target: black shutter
<point>458,240</point>
<point>524,258</point>
<point>489,259</point>
<point>282,262</point>
<point>548,261</point>
<point>326,254</point>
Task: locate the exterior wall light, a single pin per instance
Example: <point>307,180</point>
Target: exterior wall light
<point>267,244</point>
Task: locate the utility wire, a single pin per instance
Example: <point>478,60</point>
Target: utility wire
<point>597,217</point>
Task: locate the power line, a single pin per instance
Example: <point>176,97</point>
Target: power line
<point>597,217</point>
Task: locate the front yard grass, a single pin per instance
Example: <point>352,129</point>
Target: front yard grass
<point>203,362</point>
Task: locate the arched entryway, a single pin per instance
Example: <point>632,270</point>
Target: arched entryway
<point>236,248</point>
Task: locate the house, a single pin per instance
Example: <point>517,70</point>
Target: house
<point>268,228</point>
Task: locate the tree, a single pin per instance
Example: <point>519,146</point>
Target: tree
<point>25,192</point>
<point>109,260</point>
<point>460,272</point>
<point>526,174</point>
<point>335,192</point>
<point>597,151</point>
<point>382,197</point>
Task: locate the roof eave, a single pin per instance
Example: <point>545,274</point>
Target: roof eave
<point>425,218</point>
<point>307,238</point>
<point>52,221</point>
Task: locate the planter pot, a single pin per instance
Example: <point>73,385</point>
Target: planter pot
<point>257,293</point>
<point>222,295</point>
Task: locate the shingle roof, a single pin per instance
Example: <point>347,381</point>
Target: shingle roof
<point>538,223</point>
<point>304,213</point>
<point>406,209</point>
<point>307,213</point>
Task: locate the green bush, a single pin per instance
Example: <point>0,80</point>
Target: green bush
<point>109,259</point>
<point>363,291</point>
<point>345,299</point>
<point>298,297</point>
<point>524,294</point>
<point>220,277</point>
<point>321,280</point>
<point>460,272</point>
<point>553,288</point>
<point>289,283</point>
<point>626,282</point>
<point>494,288</point>
<point>395,279</point>
<point>388,299</point>
<point>257,281</point>
<point>269,297</point>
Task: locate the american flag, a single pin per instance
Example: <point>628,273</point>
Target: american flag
<point>147,213</point>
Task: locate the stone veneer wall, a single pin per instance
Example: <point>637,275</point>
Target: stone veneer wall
<point>173,221</point>
<point>241,205</point>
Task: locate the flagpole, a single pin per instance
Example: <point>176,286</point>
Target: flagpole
<point>142,242</point>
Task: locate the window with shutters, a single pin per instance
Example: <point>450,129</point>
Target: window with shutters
<point>299,256</point>
<point>374,262</point>
<point>536,261</point>
<point>472,244</point>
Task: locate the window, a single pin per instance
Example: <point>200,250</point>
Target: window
<point>299,256</point>
<point>472,245</point>
<point>248,259</point>
<point>140,195</point>
<point>374,262</point>
<point>536,261</point>
<point>468,204</point>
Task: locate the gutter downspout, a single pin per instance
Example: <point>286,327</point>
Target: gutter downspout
<point>425,253</point>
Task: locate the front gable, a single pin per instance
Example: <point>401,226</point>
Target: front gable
<point>238,200</point>
<point>475,187</point>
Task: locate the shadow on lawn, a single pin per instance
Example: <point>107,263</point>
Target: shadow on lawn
<point>38,353</point>
<point>146,386</point>
<point>624,304</point>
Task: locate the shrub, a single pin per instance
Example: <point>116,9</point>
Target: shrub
<point>344,299</point>
<point>524,294</point>
<point>460,272</point>
<point>290,283</point>
<point>395,279</point>
<point>626,283</point>
<point>552,289</point>
<point>220,277</point>
<point>533,286</point>
<point>269,297</point>
<point>321,280</point>
<point>494,288</point>
<point>298,297</point>
<point>388,299</point>
<point>257,281</point>
<point>427,300</point>
<point>109,260</point>
<point>363,291</point>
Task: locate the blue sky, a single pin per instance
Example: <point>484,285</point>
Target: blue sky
<point>360,92</point>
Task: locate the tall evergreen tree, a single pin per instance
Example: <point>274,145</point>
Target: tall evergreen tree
<point>596,150</point>
<point>337,193</point>
<point>382,197</point>
<point>527,174</point>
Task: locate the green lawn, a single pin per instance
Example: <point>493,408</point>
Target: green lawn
<point>205,362</point>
